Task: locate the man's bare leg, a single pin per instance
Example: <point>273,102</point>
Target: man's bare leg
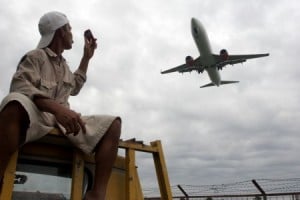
<point>106,153</point>
<point>13,121</point>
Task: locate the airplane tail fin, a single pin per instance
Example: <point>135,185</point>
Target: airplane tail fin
<point>228,82</point>
<point>207,85</point>
<point>222,83</point>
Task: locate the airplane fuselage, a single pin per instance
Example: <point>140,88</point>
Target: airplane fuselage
<point>208,61</point>
<point>203,45</point>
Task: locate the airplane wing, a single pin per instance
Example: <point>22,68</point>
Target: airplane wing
<point>235,59</point>
<point>186,68</point>
<point>175,69</point>
<point>248,56</point>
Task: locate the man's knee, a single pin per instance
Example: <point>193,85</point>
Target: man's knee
<point>115,128</point>
<point>117,123</point>
<point>14,114</point>
<point>14,110</point>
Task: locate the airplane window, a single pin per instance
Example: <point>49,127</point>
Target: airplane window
<point>36,180</point>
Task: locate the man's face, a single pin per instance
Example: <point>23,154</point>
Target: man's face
<point>68,37</point>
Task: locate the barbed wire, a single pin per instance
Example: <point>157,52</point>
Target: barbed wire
<point>273,186</point>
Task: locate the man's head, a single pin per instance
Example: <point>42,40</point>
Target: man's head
<point>51,24</point>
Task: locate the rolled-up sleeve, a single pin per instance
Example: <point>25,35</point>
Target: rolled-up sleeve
<point>79,79</point>
<point>27,78</point>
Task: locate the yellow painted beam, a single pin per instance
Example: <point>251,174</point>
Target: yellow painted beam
<point>161,172</point>
<point>9,178</point>
<point>136,146</point>
<point>129,178</point>
<point>77,176</point>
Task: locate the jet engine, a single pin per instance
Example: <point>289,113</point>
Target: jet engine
<point>189,61</point>
<point>224,54</point>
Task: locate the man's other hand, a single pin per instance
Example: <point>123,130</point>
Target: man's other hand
<point>71,121</point>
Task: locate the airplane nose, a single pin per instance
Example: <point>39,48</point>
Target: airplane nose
<point>193,21</point>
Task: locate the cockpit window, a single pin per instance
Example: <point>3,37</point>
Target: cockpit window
<point>195,31</point>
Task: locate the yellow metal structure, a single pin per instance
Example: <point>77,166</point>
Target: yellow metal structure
<point>9,177</point>
<point>124,183</point>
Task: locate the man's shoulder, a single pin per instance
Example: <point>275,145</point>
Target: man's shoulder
<point>36,53</point>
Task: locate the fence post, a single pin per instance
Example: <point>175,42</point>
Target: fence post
<point>260,189</point>
<point>184,192</point>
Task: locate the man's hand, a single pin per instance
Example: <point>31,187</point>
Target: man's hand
<point>89,47</point>
<point>70,120</point>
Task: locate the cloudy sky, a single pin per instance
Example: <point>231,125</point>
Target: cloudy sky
<point>210,136</point>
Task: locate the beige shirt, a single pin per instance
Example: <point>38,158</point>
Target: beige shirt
<point>43,73</point>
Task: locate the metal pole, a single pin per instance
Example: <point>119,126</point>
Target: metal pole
<point>182,190</point>
<point>260,189</point>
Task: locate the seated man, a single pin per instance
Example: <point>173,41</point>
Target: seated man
<point>38,102</point>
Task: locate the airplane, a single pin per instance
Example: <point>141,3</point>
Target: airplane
<point>208,61</point>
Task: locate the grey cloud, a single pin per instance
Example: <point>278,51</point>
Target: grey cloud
<point>209,136</point>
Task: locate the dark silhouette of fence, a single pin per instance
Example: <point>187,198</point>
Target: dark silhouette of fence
<point>259,189</point>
